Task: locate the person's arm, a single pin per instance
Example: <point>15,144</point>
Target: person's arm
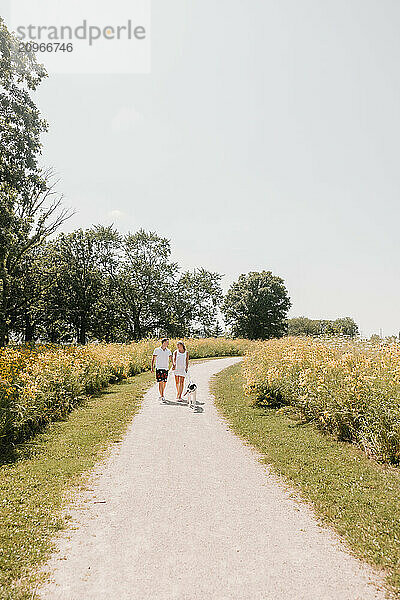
<point>187,361</point>
<point>174,361</point>
<point>152,363</point>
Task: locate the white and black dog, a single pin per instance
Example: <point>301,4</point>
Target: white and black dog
<point>191,393</point>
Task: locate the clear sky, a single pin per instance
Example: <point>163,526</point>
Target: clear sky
<point>265,137</point>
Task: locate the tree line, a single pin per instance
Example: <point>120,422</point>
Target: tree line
<point>345,326</point>
<point>97,284</point>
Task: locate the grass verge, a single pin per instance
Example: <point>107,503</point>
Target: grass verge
<point>33,486</point>
<point>356,495</point>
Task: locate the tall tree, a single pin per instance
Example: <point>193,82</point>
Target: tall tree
<point>27,226</point>
<point>81,259</point>
<point>146,284</point>
<point>109,325</point>
<point>256,306</point>
<point>198,297</point>
<point>30,210</point>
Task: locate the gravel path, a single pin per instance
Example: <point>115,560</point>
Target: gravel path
<point>182,510</point>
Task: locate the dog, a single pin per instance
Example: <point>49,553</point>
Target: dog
<point>191,393</point>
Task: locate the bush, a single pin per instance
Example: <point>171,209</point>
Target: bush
<point>350,389</point>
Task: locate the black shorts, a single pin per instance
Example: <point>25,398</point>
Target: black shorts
<point>161,374</point>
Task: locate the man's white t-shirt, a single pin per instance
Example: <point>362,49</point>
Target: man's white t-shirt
<point>162,357</point>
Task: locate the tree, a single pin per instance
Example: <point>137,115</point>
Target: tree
<point>25,228</point>
<point>30,211</point>
<point>199,296</point>
<point>109,324</point>
<point>302,326</point>
<point>256,306</point>
<point>82,258</point>
<point>146,283</point>
<point>31,282</point>
<point>346,326</point>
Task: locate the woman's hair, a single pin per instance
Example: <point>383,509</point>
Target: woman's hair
<point>183,345</point>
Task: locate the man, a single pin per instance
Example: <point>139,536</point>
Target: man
<point>161,357</point>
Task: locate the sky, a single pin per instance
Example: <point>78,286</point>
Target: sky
<point>265,136</point>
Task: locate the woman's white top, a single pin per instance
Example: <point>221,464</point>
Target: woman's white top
<point>180,359</point>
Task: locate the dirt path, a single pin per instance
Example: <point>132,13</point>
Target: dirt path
<point>182,510</point>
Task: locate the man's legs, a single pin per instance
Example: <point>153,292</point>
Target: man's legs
<point>161,387</point>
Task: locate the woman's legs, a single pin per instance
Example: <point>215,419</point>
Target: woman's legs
<point>177,378</point>
<point>179,386</point>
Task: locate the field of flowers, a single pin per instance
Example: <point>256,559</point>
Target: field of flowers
<point>43,384</point>
<point>350,389</point>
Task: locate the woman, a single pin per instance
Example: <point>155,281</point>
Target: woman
<point>180,363</point>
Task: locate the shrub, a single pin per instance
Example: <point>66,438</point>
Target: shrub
<point>350,389</point>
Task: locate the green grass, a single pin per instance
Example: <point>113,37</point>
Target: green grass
<point>34,484</point>
<point>356,495</point>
